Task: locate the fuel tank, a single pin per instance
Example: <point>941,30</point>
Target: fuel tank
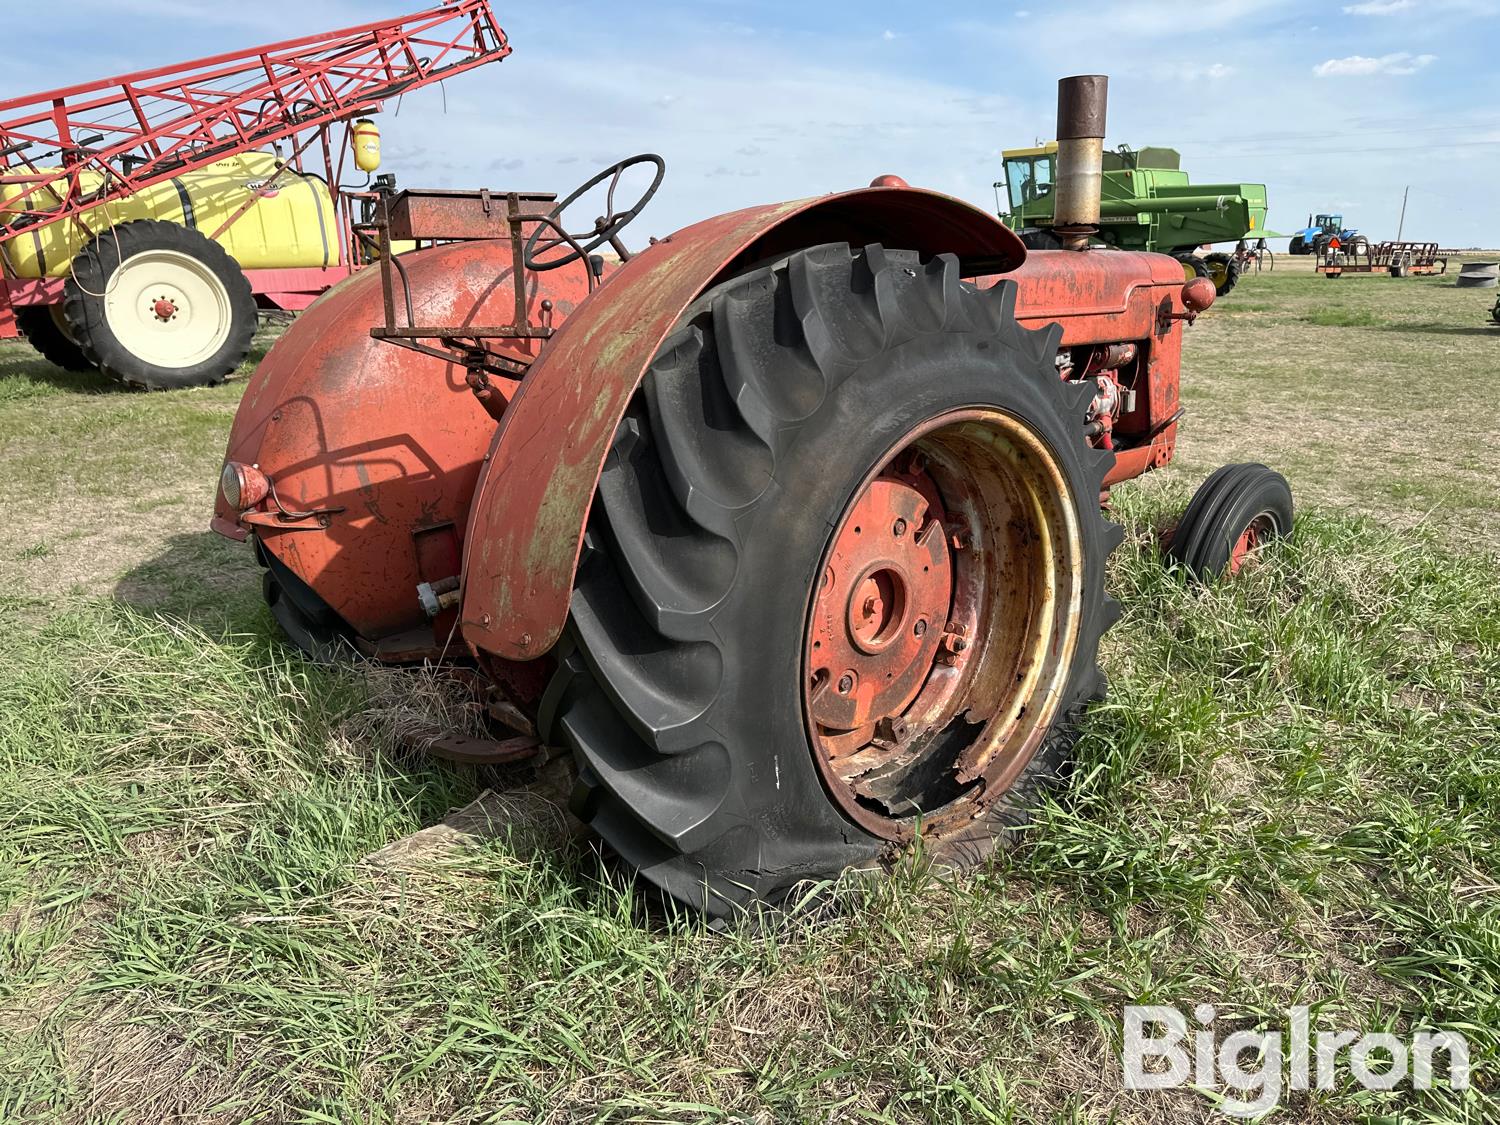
<point>373,450</point>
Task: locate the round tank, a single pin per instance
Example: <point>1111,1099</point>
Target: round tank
<point>290,223</point>
<point>383,442</point>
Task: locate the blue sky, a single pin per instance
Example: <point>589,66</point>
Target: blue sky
<point>1333,105</point>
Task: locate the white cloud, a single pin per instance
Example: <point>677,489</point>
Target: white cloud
<point>1212,71</point>
<point>1398,62</point>
<point>1377,7</point>
<point>889,35</point>
<point>1022,14</point>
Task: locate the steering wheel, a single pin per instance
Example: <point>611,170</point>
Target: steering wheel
<point>606,228</point>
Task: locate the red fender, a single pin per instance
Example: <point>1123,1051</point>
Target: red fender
<point>526,524</point>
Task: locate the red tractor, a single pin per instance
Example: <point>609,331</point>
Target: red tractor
<point>789,527</point>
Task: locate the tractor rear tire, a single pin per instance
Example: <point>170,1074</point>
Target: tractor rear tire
<point>741,725</point>
<point>159,306</point>
<point>1223,271</point>
<point>1235,512</point>
<point>47,332</point>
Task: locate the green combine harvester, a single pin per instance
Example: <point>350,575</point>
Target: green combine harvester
<point>1147,204</point>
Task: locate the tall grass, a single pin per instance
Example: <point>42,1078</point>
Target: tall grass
<point>1290,797</point>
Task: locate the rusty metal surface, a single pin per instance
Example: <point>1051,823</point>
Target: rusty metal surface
<point>527,523</point>
<point>880,612</point>
<point>431,214</point>
<point>1082,103</point>
<point>1081,107</point>
<point>983,679</point>
<point>469,751</point>
<point>383,441</point>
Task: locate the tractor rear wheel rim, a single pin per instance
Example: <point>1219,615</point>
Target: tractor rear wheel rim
<point>943,623</point>
<point>167,308</point>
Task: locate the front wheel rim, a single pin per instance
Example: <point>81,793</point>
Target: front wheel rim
<point>168,309</point>
<point>942,624</point>
<point>1258,532</point>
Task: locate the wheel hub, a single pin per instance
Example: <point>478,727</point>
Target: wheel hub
<point>167,308</point>
<point>880,610</point>
<point>942,624</point>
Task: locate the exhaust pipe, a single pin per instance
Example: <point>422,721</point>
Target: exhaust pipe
<point>1081,104</point>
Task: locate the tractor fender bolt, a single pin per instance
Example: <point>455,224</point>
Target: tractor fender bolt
<point>525,639</point>
<point>484,619</point>
<point>898,529</point>
<point>959,644</point>
<point>846,683</point>
<point>920,627</point>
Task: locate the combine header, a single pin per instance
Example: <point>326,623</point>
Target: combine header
<point>788,528</point>
<point>144,218</point>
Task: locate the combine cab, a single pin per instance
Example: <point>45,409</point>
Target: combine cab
<point>788,528</point>
<point>1147,204</point>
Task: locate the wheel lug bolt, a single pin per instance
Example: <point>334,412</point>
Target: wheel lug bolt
<point>899,529</point>
<point>846,683</point>
<point>920,627</point>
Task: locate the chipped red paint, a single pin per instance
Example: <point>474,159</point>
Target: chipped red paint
<point>392,438</point>
<point>527,522</point>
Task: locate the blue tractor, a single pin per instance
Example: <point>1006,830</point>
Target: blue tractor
<point>1323,229</point>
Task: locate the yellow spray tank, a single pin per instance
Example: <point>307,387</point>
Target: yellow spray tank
<point>365,139</point>
<point>291,221</point>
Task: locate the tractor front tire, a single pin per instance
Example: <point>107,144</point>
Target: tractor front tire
<point>158,306</point>
<point>842,582</point>
<point>1223,271</point>
<point>1237,511</point>
<point>1298,246</point>
<point>47,332</point>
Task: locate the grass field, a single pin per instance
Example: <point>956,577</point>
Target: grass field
<point>1291,797</point>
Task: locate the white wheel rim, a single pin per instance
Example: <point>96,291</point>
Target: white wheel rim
<point>167,308</point>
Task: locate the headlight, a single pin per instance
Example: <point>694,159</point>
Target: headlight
<point>243,486</point>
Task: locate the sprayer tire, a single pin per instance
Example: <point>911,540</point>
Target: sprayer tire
<point>682,679</point>
<point>39,324</point>
<point>126,272</point>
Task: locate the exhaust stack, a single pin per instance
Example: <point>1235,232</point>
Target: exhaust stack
<point>1081,104</point>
